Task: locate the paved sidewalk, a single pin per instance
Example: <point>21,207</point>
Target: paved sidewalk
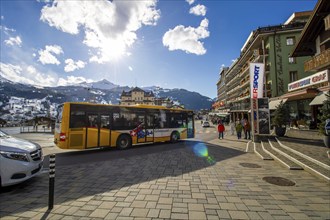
<point>188,180</point>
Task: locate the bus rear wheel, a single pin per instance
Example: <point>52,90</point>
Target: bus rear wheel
<point>124,142</point>
<point>174,136</point>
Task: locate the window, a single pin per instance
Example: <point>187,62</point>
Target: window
<point>105,121</point>
<point>59,114</point>
<point>77,119</point>
<point>92,121</point>
<point>176,121</point>
<point>124,120</point>
<point>293,76</point>
<point>290,40</point>
<point>292,60</point>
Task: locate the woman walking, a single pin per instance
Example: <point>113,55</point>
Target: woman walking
<point>239,129</point>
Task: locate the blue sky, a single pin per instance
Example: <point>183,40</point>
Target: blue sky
<point>172,44</point>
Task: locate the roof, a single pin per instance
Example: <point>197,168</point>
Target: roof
<point>126,106</point>
<point>312,29</point>
<point>137,89</point>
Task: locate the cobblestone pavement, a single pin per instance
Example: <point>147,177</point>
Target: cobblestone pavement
<point>187,180</point>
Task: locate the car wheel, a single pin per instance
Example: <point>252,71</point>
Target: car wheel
<point>174,136</point>
<point>124,142</point>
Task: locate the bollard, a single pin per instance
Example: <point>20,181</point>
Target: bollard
<point>51,181</point>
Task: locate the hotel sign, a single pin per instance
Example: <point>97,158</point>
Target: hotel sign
<point>316,78</point>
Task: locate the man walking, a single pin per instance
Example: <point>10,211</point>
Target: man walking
<point>221,129</point>
<point>247,129</point>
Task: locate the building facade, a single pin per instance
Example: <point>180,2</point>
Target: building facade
<point>314,42</point>
<point>137,96</point>
<point>271,45</point>
<point>220,105</point>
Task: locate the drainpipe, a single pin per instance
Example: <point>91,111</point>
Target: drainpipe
<point>274,43</point>
<point>264,62</point>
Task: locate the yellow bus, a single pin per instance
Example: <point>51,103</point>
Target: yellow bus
<point>89,125</point>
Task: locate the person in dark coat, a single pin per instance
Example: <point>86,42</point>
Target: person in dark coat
<point>247,129</point>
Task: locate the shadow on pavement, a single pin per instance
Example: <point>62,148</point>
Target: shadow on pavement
<point>316,143</point>
<point>100,173</point>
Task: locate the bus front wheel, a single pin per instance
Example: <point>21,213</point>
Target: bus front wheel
<point>124,141</point>
<point>174,136</point>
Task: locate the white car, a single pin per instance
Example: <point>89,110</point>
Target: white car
<point>206,124</point>
<point>20,160</point>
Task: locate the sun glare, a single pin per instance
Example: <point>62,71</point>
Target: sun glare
<point>114,49</point>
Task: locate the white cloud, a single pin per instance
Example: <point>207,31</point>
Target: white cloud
<point>187,38</point>
<point>199,10</point>
<point>72,65</point>
<point>47,56</point>
<point>26,74</point>
<point>190,1</point>
<point>130,68</point>
<point>14,41</point>
<point>109,26</point>
<point>7,30</point>
<point>72,80</point>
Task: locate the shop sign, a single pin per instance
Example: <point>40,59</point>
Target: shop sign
<point>316,78</point>
<point>256,78</point>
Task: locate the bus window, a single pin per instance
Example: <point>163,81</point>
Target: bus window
<point>77,119</point>
<point>125,120</point>
<point>150,121</point>
<point>59,114</point>
<point>105,121</point>
<point>175,120</point>
<point>162,122</point>
<point>92,121</point>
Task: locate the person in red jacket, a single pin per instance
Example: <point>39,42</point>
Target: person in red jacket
<point>221,129</point>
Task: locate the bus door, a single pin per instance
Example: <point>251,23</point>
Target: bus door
<point>98,130</point>
<point>92,131</point>
<point>190,129</point>
<point>145,131</point>
<point>104,132</point>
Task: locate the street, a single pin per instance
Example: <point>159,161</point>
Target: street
<point>201,178</point>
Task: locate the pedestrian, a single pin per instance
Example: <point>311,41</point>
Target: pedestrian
<point>239,129</point>
<point>232,127</point>
<point>247,129</point>
<point>221,129</point>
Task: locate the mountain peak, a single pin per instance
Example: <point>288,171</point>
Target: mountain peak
<point>102,84</point>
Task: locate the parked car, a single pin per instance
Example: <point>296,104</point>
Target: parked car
<point>206,124</point>
<point>20,159</point>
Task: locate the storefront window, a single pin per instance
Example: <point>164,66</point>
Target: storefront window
<point>300,111</point>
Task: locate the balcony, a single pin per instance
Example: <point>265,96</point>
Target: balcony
<point>240,106</point>
<point>317,62</point>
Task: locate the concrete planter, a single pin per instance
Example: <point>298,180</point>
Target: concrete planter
<point>326,140</point>
<point>280,131</point>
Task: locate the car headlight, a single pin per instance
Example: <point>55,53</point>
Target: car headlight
<point>15,156</point>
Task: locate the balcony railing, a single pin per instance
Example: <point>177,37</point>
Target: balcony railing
<point>318,61</point>
<point>240,106</point>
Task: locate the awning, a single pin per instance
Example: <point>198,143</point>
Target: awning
<point>273,104</point>
<point>319,99</point>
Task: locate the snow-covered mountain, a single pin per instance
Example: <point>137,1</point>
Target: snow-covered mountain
<point>102,92</point>
<point>102,84</point>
